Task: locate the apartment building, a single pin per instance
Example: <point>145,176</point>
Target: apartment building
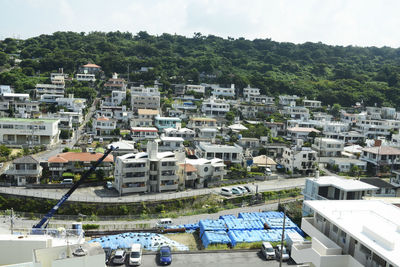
<point>25,170</point>
<point>104,127</point>
<point>350,233</point>
<point>167,143</point>
<point>313,104</point>
<point>144,133</point>
<point>185,133</point>
<point>115,84</point>
<point>224,92</point>
<point>198,173</point>
<point>145,97</point>
<point>335,188</point>
<point>299,159</point>
<point>207,134</point>
<point>72,103</point>
<point>346,164</point>
<point>327,147</point>
<point>200,89</point>
<point>197,123</point>
<point>215,107</point>
<point>374,128</point>
<point>352,137</point>
<point>78,162</point>
<point>388,113</point>
<point>380,156</point>
<point>49,89</point>
<point>230,154</point>
<point>288,100</point>
<point>90,68</point>
<point>249,92</point>
<point>150,171</point>
<point>300,133</point>
<point>85,77</point>
<point>262,99</point>
<point>166,122</point>
<point>29,132</point>
<point>145,117</point>
<point>300,113</point>
<point>247,142</point>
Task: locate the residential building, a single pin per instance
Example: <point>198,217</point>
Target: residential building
<point>333,126</point>
<point>264,162</point>
<point>327,147</point>
<point>230,154</point>
<point>29,132</point>
<point>124,147</point>
<point>335,188</point>
<point>381,157</point>
<point>104,127</point>
<point>215,107</point>
<point>25,170</point>
<point>167,143</point>
<point>351,137</point>
<point>249,92</point>
<point>301,113</point>
<point>207,134</point>
<point>146,172</point>
<point>200,89</point>
<point>144,133</point>
<point>115,84</point>
<point>224,92</point>
<point>313,104</point>
<point>388,113</point>
<point>199,173</point>
<point>253,110</point>
<point>49,98</point>
<point>49,89</point>
<point>277,128</point>
<point>71,103</point>
<point>374,128</point>
<point>14,97</point>
<point>350,233</point>
<point>90,68</point>
<point>374,113</point>
<point>346,164</point>
<point>385,189</point>
<point>247,142</point>
<point>322,116</point>
<point>299,159</point>
<point>288,100</point>
<point>78,162</point>
<point>263,99</point>
<point>5,89</point>
<point>85,77</point>
<point>55,75</point>
<point>185,104</point>
<point>179,89</point>
<point>185,133</point>
<point>300,133</point>
<point>145,98</point>
<point>166,122</point>
<point>26,109</point>
<point>197,123</point>
<point>145,117</point>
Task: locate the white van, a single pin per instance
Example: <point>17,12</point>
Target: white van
<point>226,192</point>
<point>135,256</point>
<point>67,181</point>
<point>164,222</point>
<point>268,251</point>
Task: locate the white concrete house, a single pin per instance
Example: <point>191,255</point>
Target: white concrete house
<point>248,92</point>
<point>380,156</point>
<point>294,112</point>
<point>85,77</point>
<point>215,107</point>
<point>202,122</point>
<point>167,143</point>
<point>350,233</point>
<point>185,133</point>
<point>327,147</point>
<point>312,103</point>
<point>49,89</point>
<point>144,133</point>
<point>195,88</point>
<point>300,159</point>
<point>104,127</point>
<point>232,154</point>
<point>288,100</point>
<point>295,133</point>
<point>145,98</point>
<point>197,173</point>
<point>345,164</point>
<point>220,91</point>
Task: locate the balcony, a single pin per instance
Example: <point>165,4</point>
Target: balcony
<point>168,177</point>
<point>127,190</point>
<point>169,187</point>
<point>134,169</point>
<point>169,168</point>
<point>24,172</point>
<point>191,177</point>
<point>135,179</point>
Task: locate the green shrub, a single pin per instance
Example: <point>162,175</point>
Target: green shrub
<point>90,226</point>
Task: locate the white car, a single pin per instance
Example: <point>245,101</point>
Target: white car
<point>285,255</point>
<point>244,191</point>
<point>135,256</point>
<point>226,192</point>
<point>236,191</point>
<point>268,251</point>
<point>119,257</point>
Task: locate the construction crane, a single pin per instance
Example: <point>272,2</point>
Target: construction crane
<point>45,220</point>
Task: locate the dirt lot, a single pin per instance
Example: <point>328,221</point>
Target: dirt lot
<point>187,239</point>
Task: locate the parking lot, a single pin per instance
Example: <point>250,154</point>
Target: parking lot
<point>211,259</point>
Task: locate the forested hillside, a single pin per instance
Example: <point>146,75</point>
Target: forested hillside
<point>333,74</point>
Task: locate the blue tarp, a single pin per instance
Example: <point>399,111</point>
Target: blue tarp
<point>211,225</point>
<point>242,224</point>
<point>246,236</point>
<point>215,237</point>
<point>149,241</point>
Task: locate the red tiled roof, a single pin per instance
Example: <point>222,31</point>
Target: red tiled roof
<point>188,167</point>
<point>103,119</point>
<point>79,156</point>
<point>90,65</point>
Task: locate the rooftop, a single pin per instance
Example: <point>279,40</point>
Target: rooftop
<point>90,65</point>
<point>144,129</point>
<point>382,150</point>
<point>188,167</point>
<point>377,182</point>
<point>303,129</point>
<point>375,224</point>
<point>219,148</point>
<point>7,119</point>
<point>79,156</point>
<point>142,111</point>
<point>343,184</point>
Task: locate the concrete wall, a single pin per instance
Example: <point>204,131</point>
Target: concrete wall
<point>20,250</point>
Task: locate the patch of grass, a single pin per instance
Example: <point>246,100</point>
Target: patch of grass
<point>254,245</point>
<point>185,239</point>
<point>217,247</point>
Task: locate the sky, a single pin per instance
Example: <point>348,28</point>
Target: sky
<point>334,22</point>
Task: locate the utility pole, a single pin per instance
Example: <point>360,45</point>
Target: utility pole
<point>12,221</point>
<point>283,236</point>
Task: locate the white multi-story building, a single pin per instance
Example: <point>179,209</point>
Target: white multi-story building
<point>345,164</point>
<point>248,92</point>
<point>380,156</point>
<point>71,103</point>
<point>115,84</point>
<point>375,128</point>
<point>49,89</point>
<point>104,127</point>
<point>144,133</point>
<point>333,126</point>
<point>146,172</point>
<point>231,154</point>
<point>207,134</point>
<point>185,133</point>
<point>197,173</point>
<point>215,107</point>
<point>300,133</point>
<point>388,113</point>
<point>288,100</point>
<point>117,97</point>
<point>26,132</point>
<point>350,233</point>
<point>335,188</point>
<point>352,137</point>
<point>327,147</point>
<point>195,88</point>
<point>299,159</point>
<point>145,117</point>
<point>220,91</point>
<point>14,97</point>
<point>145,97</point>
<point>198,123</point>
<point>301,113</point>
<point>262,99</point>
<point>167,143</point>
<point>311,103</point>
<point>85,77</point>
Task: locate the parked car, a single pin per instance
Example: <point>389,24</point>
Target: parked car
<point>165,255</point>
<point>119,257</point>
<point>90,141</point>
<point>236,191</point>
<point>226,192</point>
<point>268,251</point>
<point>64,142</point>
<point>285,255</point>
<point>100,140</point>
<point>135,256</point>
<point>248,188</point>
<point>244,191</point>
<point>107,253</point>
<point>108,185</point>
<point>164,222</point>
<point>268,171</point>
<point>67,181</point>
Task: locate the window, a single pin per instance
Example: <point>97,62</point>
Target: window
<point>335,229</point>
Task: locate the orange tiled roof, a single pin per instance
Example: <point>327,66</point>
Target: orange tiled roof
<point>90,65</point>
<point>188,167</point>
<point>103,119</point>
<point>79,156</point>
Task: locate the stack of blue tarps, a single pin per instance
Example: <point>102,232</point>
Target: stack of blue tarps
<point>215,237</point>
<point>149,241</point>
<point>242,224</point>
<point>211,225</point>
<point>191,226</point>
<point>229,216</point>
<point>258,215</point>
<point>245,236</point>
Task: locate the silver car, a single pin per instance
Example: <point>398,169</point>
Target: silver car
<point>119,257</point>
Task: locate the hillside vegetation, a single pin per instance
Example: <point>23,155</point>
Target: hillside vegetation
<point>332,74</point>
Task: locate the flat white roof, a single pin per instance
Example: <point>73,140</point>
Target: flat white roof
<point>343,184</point>
<point>172,139</point>
<point>373,223</point>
